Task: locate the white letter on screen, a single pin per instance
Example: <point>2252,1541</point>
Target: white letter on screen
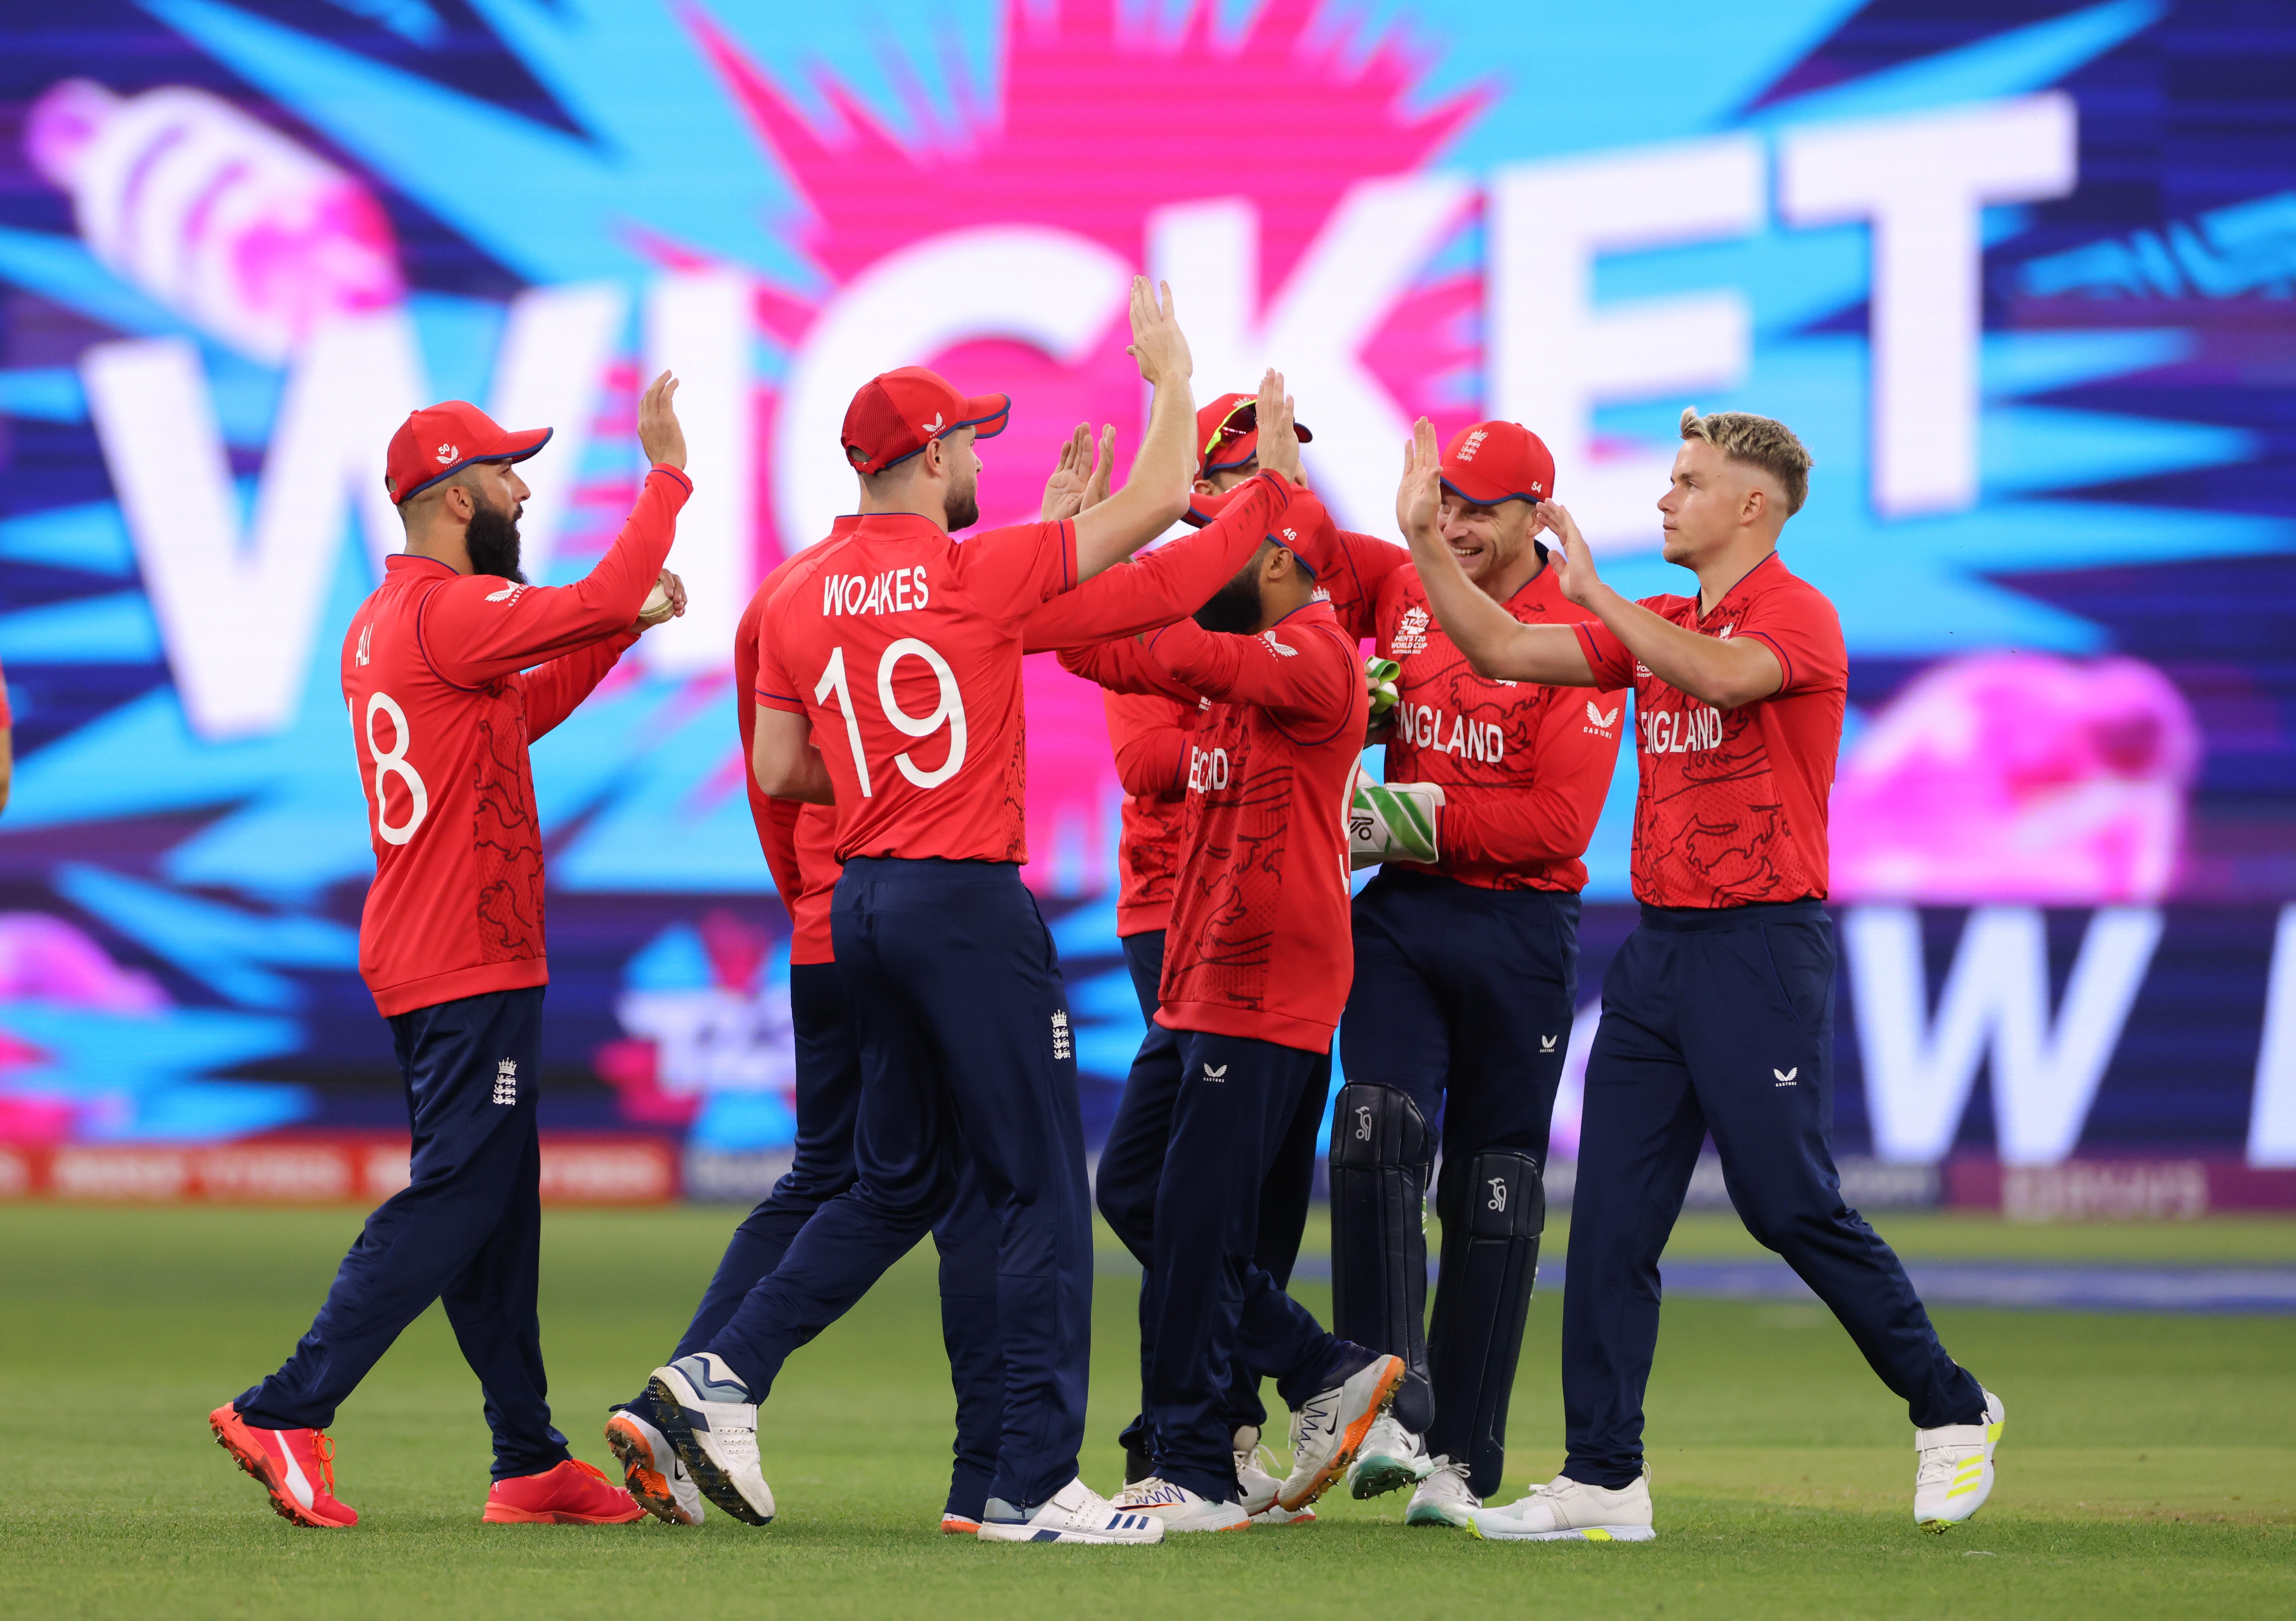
<point>1553,356</point>
<point>700,326</point>
<point>1922,181</point>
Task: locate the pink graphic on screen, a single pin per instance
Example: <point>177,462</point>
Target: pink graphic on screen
<point>46,961</point>
<point>1101,123</point>
<point>2019,776</point>
<point>218,217</point>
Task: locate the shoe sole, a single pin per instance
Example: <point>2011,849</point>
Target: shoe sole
<point>498,1515</point>
<point>957,1525</point>
<point>640,1477</point>
<point>1377,1477</point>
<point>1464,1519</point>
<point>266,1472</point>
<point>1576,1533</point>
<point>677,1426</point>
<point>1276,1514</point>
<point>1344,1453</point>
<point>991,1533</point>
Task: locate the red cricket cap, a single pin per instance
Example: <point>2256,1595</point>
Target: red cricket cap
<point>897,414</point>
<point>445,438</point>
<point>1490,462</point>
<point>1227,433</point>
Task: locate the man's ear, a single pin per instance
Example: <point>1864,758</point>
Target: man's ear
<point>935,457</point>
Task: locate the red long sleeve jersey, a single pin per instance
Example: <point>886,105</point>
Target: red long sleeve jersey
<point>1523,769</point>
<point>1733,806</point>
<point>1151,735</point>
<point>801,840</point>
<point>441,717</point>
<point>1257,945</point>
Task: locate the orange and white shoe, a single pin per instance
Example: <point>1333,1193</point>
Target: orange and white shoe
<point>1328,1429</point>
<point>297,1467</point>
<point>652,1470</point>
<point>573,1494</point>
<point>953,1523</point>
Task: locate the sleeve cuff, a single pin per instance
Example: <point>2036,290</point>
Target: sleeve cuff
<point>773,700</point>
<point>667,471</point>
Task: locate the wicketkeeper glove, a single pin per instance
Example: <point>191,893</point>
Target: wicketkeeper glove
<point>1381,674</point>
<point>1391,821</point>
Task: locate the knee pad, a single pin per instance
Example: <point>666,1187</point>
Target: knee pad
<point>1380,1154</point>
<point>1494,1209</point>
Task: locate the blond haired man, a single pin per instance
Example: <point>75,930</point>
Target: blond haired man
<point>1718,1012</point>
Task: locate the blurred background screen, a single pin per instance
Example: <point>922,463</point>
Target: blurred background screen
<point>2019,272</point>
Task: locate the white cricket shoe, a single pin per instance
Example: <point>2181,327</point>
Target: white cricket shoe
<point>1443,1498</point>
<point>1076,1513</point>
<point>1954,1476</point>
<point>1391,1459</point>
<point>706,1414</point>
<point>1330,1426</point>
<point>1180,1509</point>
<point>1257,1480</point>
<point>652,1470</point>
<point>1564,1511</point>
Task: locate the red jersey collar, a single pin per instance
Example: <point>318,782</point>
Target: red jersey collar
<point>1703,614</point>
<point>414,560</point>
<point>888,526</point>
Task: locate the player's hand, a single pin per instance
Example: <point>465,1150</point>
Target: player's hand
<point>1419,498</point>
<point>1575,567</point>
<point>1158,344</point>
<point>1064,490</point>
<point>1104,468</point>
<point>1278,430</point>
<point>673,606</point>
<point>658,433</point>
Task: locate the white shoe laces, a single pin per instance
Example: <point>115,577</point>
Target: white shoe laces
<point>1448,1478</point>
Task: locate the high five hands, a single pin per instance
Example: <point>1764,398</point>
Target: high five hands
<point>1081,480</point>
<point>1278,428</point>
<point>1158,344</point>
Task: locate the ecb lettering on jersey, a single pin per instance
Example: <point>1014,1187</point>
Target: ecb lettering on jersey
<point>902,649</point>
<point>1733,806</point>
<point>1522,772</point>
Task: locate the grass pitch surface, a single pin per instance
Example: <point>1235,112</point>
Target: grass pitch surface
<point>2149,1469</point>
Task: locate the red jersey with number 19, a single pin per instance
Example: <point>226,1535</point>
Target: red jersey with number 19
<point>903,649</point>
<point>1733,806</point>
<point>447,678</point>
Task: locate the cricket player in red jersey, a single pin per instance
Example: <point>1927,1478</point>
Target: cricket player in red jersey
<point>1717,1013</point>
<point>449,670</point>
<point>1150,733</point>
<point>1466,980</point>
<point>1256,969</point>
<point>888,685</point>
<point>799,845</point>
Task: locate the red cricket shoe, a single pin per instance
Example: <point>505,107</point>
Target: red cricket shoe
<point>297,1467</point>
<point>574,1493</point>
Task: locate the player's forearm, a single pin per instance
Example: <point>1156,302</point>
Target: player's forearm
<point>1506,826</point>
<point>1170,582</point>
<point>7,762</point>
<point>612,592</point>
<point>555,690</point>
<point>1713,669</point>
<point>1310,683</point>
<point>1156,494</point>
<point>784,761</point>
<point>1120,666</point>
<point>1497,645</point>
<point>1154,764</point>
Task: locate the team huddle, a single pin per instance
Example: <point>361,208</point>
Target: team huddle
<point>879,686</point>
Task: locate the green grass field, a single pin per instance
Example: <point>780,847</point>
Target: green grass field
<point>2149,1469</point>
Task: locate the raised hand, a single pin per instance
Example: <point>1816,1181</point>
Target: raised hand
<point>1575,567</point>
<point>1104,468</point>
<point>673,589</point>
<point>1158,344</point>
<point>1419,498</point>
<point>1279,436</point>
<point>1066,489</point>
<point>658,433</point>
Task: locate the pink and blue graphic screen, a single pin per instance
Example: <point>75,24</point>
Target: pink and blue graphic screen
<point>2019,275</point>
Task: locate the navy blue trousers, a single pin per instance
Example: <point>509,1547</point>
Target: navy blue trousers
<point>1721,1022</point>
<point>1211,1314</point>
<point>1132,1164</point>
<point>466,1230</point>
<point>1463,1000</point>
<point>966,1060</point>
<point>828,1103</point>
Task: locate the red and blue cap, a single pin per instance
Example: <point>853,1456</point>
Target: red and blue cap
<point>1227,433</point>
<point>897,414</point>
<point>1491,462</point>
<point>440,440</point>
